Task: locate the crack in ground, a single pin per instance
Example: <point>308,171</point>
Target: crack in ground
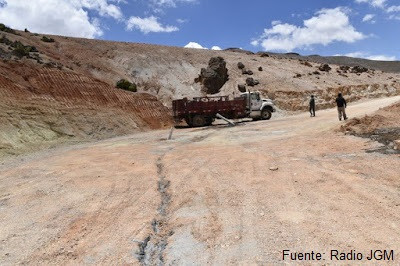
<point>151,249</point>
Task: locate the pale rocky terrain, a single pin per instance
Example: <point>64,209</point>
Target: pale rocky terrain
<point>207,196</point>
<point>219,195</point>
<point>65,92</point>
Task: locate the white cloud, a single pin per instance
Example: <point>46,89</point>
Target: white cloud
<point>370,57</point>
<point>169,3</point>
<point>194,45</point>
<point>393,9</point>
<point>374,3</point>
<point>381,57</point>
<point>147,25</point>
<point>327,26</point>
<point>276,22</point>
<point>255,42</point>
<point>394,17</point>
<point>61,17</point>
<point>369,18</point>
<point>102,6</point>
<point>180,20</point>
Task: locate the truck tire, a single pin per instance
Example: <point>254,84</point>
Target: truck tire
<point>199,121</point>
<point>266,114</point>
<point>189,122</point>
<point>209,121</point>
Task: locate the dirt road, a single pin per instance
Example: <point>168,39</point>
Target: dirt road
<point>207,196</point>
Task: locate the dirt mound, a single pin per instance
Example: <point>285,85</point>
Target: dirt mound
<point>383,126</point>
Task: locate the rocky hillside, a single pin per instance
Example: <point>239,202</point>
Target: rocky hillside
<point>57,88</point>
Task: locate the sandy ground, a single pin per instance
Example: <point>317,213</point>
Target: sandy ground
<point>207,196</point>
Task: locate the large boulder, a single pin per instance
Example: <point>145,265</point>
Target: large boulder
<point>214,76</point>
<point>252,82</point>
<point>242,88</point>
<point>240,65</point>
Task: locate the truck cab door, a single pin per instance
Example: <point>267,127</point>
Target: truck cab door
<point>256,101</point>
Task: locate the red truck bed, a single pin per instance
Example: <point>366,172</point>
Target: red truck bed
<point>201,111</point>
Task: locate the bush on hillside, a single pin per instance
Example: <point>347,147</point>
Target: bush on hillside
<point>6,29</point>
<point>5,40</point>
<point>21,50</point>
<point>47,39</point>
<point>126,85</point>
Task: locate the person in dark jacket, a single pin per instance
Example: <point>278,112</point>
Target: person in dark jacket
<point>312,106</point>
<point>341,106</point>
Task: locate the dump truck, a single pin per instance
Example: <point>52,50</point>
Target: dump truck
<point>202,111</point>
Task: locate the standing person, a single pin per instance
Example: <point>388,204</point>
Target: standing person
<point>341,106</point>
<point>312,106</point>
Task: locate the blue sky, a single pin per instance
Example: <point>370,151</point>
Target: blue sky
<point>359,28</point>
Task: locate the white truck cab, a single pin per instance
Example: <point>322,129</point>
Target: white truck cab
<point>258,108</point>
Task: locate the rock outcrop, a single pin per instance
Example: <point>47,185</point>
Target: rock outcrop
<point>214,76</point>
<point>252,82</point>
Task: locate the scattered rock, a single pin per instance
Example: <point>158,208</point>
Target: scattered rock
<point>396,145</point>
<point>260,69</point>
<point>214,76</point>
<point>316,73</point>
<point>274,168</point>
<point>247,72</point>
<point>306,63</point>
<point>242,88</point>
<point>240,65</point>
<point>297,75</point>
<point>252,82</point>
<point>325,68</point>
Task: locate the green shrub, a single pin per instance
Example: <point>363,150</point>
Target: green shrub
<point>20,51</point>
<point>47,39</point>
<point>5,40</point>
<point>6,29</point>
<point>126,85</point>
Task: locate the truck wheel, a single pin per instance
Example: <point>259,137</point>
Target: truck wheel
<point>199,121</point>
<point>189,122</point>
<point>209,121</point>
<point>266,114</point>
